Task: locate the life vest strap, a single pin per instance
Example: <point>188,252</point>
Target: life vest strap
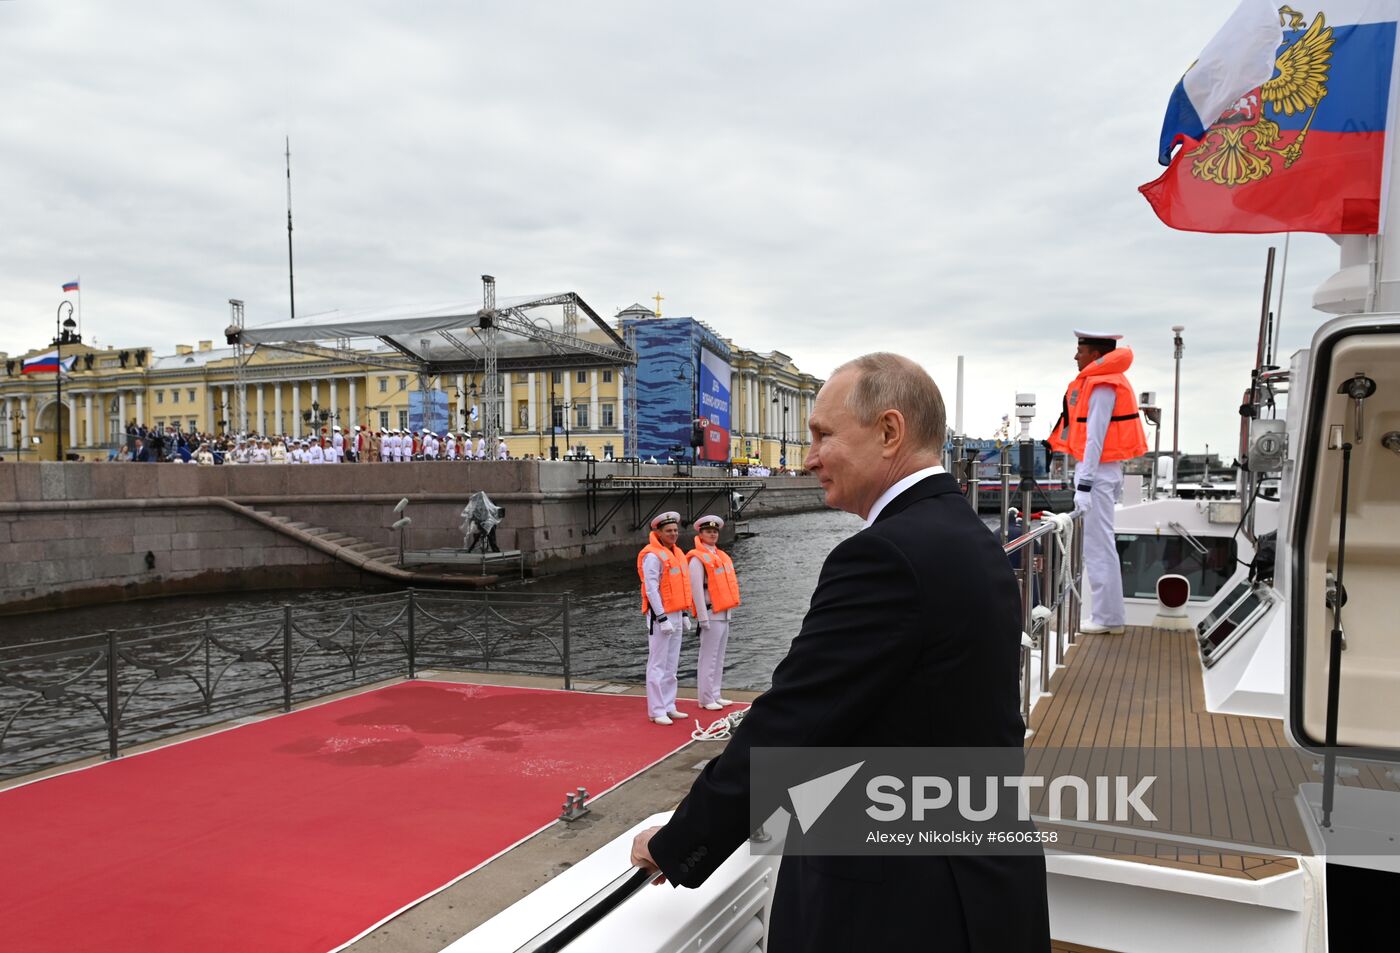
<point>1117,419</point>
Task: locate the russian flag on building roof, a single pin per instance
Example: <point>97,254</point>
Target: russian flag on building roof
<point>47,364</point>
<point>1297,102</point>
<point>70,286</point>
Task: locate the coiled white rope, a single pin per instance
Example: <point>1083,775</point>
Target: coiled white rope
<point>719,730</point>
<point>1064,543</point>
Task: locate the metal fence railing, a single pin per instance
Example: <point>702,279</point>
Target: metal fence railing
<point>93,694</point>
<point>1049,562</point>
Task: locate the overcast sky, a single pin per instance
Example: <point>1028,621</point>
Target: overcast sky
<point>820,178</point>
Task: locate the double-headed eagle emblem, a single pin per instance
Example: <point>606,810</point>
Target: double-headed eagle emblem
<point>1241,145</point>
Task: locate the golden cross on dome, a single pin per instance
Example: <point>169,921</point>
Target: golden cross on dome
<point>658,299</point>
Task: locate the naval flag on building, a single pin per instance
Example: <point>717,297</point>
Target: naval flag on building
<point>1297,103</point>
<point>46,364</point>
<point>70,286</point>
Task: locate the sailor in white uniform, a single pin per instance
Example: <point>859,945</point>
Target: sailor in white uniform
<point>714,624</point>
<point>481,447</point>
<point>314,453</point>
<point>337,446</point>
<point>664,629</point>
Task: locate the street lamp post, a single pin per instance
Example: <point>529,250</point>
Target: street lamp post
<point>61,334</point>
<point>16,420</point>
<point>782,443</point>
<point>553,447</point>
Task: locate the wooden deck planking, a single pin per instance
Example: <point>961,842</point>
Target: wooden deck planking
<point>1144,690</point>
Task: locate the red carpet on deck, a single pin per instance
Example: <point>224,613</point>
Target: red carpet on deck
<point>302,831</point>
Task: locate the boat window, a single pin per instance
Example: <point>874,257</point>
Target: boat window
<point>1222,608</point>
<point>1226,631</point>
<point>1145,559</point>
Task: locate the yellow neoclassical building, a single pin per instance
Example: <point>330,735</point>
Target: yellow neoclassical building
<point>201,388</point>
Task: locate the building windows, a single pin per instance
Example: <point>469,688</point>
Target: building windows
<point>194,425</point>
<point>383,415</point>
<point>521,378</point>
<point>160,397</point>
<point>403,420</point>
<point>191,395</point>
<point>581,377</point>
<point>556,377</point>
<point>607,416</point>
<point>557,415</point>
<point>580,415</point>
<point>607,377</point>
<point>174,396</point>
<point>384,387</point>
<point>403,385</point>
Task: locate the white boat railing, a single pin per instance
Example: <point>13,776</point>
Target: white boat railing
<point>1051,564</point>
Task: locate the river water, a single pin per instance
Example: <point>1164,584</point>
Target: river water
<point>777,570</point>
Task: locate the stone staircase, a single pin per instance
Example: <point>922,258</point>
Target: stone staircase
<point>370,557</point>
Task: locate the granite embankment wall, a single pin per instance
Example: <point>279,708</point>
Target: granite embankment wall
<point>78,533</point>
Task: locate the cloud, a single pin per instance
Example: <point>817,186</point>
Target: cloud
<point>822,179</point>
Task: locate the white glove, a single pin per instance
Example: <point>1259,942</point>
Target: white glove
<point>704,625</point>
<point>1083,501</point>
<point>664,627</point>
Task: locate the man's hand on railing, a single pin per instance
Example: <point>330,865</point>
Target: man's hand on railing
<point>641,853</point>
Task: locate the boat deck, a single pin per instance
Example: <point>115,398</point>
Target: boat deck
<point>1228,779</point>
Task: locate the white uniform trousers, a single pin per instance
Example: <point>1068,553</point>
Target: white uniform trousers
<point>663,657</point>
<point>1101,564</point>
<point>709,671</point>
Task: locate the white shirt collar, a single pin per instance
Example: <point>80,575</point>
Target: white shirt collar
<point>899,488</point>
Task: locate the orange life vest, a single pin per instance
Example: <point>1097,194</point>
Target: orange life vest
<point>1126,438</point>
<point>721,584</point>
<point>674,584</point>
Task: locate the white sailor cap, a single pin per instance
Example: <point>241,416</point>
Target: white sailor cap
<point>708,522</point>
<point>337,429</point>
<point>661,519</point>
<point>1097,335</point>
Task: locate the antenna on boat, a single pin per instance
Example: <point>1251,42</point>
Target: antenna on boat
<point>1176,406</point>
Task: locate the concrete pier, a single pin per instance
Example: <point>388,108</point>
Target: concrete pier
<point>90,533</point>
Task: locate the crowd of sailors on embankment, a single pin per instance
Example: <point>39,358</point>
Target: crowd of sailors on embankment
<point>145,444</point>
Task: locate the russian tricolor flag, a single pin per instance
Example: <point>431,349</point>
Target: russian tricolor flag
<point>1280,125</point>
<point>70,286</point>
<point>47,364</point>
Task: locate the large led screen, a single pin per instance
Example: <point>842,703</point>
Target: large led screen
<point>714,406</point>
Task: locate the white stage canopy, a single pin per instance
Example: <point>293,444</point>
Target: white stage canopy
<point>427,332</point>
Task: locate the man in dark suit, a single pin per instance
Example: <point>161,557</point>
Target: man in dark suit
<point>912,639</point>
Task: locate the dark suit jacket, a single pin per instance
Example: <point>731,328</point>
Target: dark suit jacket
<point>912,639</point>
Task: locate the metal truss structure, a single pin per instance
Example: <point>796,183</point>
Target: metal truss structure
<point>474,339</point>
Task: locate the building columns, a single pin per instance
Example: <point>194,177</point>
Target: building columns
<point>296,408</point>
<point>353,420</point>
<point>262,413</point>
<point>87,430</point>
<point>593,400</point>
<point>533,419</point>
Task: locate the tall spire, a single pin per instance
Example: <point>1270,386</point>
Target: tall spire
<point>291,280</point>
